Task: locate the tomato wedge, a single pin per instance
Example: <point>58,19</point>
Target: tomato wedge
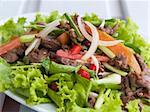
<point>9,46</point>
<point>75,49</point>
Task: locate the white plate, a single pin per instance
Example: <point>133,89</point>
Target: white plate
<point>40,107</point>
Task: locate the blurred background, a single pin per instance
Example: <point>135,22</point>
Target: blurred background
<point>138,10</point>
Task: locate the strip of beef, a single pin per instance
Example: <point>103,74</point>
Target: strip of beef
<point>119,62</point>
<point>91,101</point>
<point>64,25</point>
<point>127,93</point>
<point>142,64</point>
<point>15,54</point>
<point>134,86</point>
<point>37,55</point>
<point>67,61</point>
<point>109,30</point>
<point>51,44</point>
<point>139,81</point>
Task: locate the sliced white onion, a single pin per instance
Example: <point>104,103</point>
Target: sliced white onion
<point>49,27</point>
<point>104,73</point>
<point>96,63</point>
<point>109,43</point>
<point>32,46</point>
<point>94,42</point>
<point>82,29</point>
<point>89,37</point>
<point>102,24</point>
<point>93,94</point>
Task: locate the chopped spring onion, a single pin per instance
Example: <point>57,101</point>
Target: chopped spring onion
<point>68,17</point>
<point>107,51</point>
<point>96,63</point>
<point>94,42</point>
<point>27,38</point>
<point>120,72</point>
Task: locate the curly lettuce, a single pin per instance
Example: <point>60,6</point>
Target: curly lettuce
<point>11,29</point>
<point>31,84</point>
<point>109,101</point>
<point>5,72</point>
<point>93,18</point>
<point>54,67</point>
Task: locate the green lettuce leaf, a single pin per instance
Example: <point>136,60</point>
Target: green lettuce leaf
<point>93,18</point>
<point>133,106</point>
<point>82,88</point>
<point>31,84</point>
<point>145,108</point>
<point>145,53</point>
<point>109,101</point>
<point>47,19</point>
<point>54,67</point>
<point>10,29</point>
<point>5,71</point>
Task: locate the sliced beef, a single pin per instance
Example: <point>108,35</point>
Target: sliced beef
<point>134,86</point>
<point>91,101</point>
<point>142,64</point>
<point>51,44</point>
<point>37,55</point>
<point>15,54</point>
<point>127,93</point>
<point>139,81</point>
<point>10,57</point>
<point>64,25</point>
<point>119,62</point>
<point>109,30</point>
<point>71,62</point>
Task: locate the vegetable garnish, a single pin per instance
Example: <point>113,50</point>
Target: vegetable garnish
<point>74,26</point>
<point>94,42</point>
<point>55,60</point>
<point>88,37</point>
<point>10,46</point>
<point>109,67</point>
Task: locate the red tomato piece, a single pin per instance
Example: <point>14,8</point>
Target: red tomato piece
<point>84,74</point>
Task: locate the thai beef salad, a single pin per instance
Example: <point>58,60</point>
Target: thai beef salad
<point>81,64</point>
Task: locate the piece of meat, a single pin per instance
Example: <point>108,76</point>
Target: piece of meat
<point>37,55</point>
<point>143,65</point>
<point>10,57</point>
<point>134,86</point>
<point>119,62</point>
<point>91,101</point>
<point>15,54</point>
<point>139,80</point>
<point>71,62</point>
<point>64,25</point>
<point>51,44</point>
<point>127,93</point>
<point>109,30</point>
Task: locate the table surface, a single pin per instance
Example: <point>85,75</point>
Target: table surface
<point>138,10</point>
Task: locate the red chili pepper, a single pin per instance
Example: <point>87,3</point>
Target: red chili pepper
<point>53,86</point>
<point>92,67</point>
<point>84,74</point>
<point>75,49</point>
